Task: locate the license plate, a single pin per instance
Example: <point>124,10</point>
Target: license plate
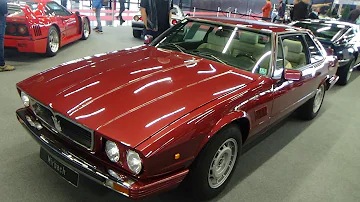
<point>68,174</point>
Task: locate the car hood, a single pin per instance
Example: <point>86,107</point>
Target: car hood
<point>130,95</point>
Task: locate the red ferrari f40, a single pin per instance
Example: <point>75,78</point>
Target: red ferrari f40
<point>43,26</point>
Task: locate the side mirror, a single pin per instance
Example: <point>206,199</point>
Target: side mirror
<point>329,51</point>
<point>77,13</point>
<point>292,75</point>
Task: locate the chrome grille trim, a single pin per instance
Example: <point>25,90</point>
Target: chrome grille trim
<point>53,129</point>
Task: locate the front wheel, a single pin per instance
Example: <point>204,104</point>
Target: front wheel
<point>86,29</point>
<point>215,164</point>
<point>311,108</point>
<point>53,43</point>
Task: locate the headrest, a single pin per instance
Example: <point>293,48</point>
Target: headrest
<point>249,37</point>
<point>294,46</point>
<point>223,33</point>
<point>217,40</point>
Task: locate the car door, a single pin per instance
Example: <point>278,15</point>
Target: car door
<point>288,94</point>
<point>65,18</point>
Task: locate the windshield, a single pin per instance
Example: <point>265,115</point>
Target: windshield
<point>242,49</point>
<point>323,31</point>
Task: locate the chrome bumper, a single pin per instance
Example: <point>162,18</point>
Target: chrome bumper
<point>333,80</point>
<point>95,170</point>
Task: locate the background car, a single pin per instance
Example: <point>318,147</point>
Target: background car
<point>138,24</point>
<point>145,119</point>
<point>42,26</point>
<point>342,37</point>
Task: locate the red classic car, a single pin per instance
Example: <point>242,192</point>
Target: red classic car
<point>43,26</point>
<point>145,119</point>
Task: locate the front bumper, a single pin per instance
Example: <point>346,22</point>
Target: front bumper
<point>138,25</point>
<point>94,170</point>
<point>26,45</point>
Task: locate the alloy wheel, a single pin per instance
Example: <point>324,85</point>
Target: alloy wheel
<point>223,162</point>
<point>86,29</point>
<point>54,41</point>
<point>318,98</point>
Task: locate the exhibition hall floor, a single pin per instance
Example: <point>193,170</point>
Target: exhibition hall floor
<point>299,161</point>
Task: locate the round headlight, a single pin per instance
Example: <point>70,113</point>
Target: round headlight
<point>112,151</point>
<point>25,99</point>
<point>134,161</point>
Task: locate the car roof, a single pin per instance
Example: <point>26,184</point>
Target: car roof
<point>319,21</point>
<point>28,1</point>
<point>252,24</point>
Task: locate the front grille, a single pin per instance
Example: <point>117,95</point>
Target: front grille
<point>74,132</point>
<point>43,113</point>
<point>63,126</point>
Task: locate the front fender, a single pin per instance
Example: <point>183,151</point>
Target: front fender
<point>225,120</point>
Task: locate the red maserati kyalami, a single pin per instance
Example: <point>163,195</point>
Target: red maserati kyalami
<point>145,119</point>
<point>43,26</point>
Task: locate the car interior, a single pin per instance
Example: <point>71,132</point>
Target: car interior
<point>247,50</point>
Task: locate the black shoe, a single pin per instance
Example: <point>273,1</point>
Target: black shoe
<point>98,31</point>
<point>96,28</point>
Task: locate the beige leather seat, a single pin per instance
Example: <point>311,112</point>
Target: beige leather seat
<point>295,53</point>
<point>215,43</point>
<point>247,44</point>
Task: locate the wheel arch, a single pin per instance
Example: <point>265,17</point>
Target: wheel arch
<point>238,118</point>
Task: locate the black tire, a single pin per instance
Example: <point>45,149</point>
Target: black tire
<point>307,110</point>
<point>345,73</point>
<point>53,32</point>
<point>86,25</point>
<point>137,34</point>
<point>197,182</point>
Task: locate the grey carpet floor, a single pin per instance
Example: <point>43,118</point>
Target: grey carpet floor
<point>300,161</point>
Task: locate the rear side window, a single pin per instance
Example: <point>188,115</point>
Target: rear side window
<point>56,9</point>
<point>315,53</point>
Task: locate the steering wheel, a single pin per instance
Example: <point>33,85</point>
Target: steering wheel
<point>246,55</point>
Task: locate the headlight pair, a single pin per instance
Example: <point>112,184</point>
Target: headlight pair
<point>132,158</point>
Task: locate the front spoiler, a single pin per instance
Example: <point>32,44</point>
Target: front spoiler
<point>96,171</point>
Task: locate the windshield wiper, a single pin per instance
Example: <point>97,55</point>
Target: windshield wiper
<point>213,56</point>
<point>181,49</point>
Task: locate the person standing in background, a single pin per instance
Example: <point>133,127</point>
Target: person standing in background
<point>281,11</point>
<point>301,10</point>
<point>63,3</point>
<point>3,14</point>
<point>156,15</point>
<point>354,15</point>
<point>122,9</point>
<point>292,10</point>
<point>97,5</point>
<point>314,13</point>
<point>267,10</point>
